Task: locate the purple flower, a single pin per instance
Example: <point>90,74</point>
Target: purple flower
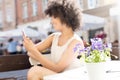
<point>77,47</point>
<point>97,44</point>
<point>95,52</point>
<point>108,46</point>
<point>87,50</point>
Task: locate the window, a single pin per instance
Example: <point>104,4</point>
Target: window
<point>44,4</point>
<point>1,15</point>
<point>92,4</point>
<point>9,13</point>
<point>34,7</point>
<point>25,10</point>
<point>98,3</point>
<point>1,18</point>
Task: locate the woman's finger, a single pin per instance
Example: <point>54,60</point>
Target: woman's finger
<point>23,35</point>
<point>26,38</point>
<point>27,41</point>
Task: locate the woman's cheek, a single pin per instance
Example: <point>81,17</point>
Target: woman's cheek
<point>57,28</point>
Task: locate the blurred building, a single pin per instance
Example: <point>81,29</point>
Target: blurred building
<point>100,8</point>
<point>30,13</point>
<point>30,10</point>
<point>91,4</point>
<point>7,14</point>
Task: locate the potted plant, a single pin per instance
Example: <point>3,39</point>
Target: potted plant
<point>95,57</point>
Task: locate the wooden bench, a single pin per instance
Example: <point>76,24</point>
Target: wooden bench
<point>14,62</point>
<point>8,78</point>
<point>15,67</point>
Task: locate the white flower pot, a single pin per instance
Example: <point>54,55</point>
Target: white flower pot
<point>96,71</point>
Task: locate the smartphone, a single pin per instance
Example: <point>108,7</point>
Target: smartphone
<point>23,32</point>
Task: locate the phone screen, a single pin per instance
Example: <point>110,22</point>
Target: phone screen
<point>23,32</point>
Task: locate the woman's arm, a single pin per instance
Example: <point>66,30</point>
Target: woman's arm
<point>45,44</point>
<point>40,46</point>
<point>65,60</point>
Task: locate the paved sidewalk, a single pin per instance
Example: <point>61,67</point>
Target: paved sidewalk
<point>19,74</point>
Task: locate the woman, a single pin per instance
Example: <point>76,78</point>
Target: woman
<point>65,19</point>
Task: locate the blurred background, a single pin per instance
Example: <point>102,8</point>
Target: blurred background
<point>100,19</point>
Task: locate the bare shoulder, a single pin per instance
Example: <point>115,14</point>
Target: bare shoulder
<point>52,35</point>
<point>76,41</point>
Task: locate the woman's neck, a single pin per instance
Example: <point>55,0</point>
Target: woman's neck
<point>67,33</point>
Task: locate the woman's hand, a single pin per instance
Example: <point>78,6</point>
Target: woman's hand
<point>28,44</point>
<point>30,47</point>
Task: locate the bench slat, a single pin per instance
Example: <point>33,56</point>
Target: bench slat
<point>14,62</point>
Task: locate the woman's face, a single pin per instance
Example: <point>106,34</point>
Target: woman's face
<point>57,25</point>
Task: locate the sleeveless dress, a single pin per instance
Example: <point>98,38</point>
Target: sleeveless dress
<point>57,51</point>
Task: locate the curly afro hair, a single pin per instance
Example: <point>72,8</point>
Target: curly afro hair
<point>67,13</point>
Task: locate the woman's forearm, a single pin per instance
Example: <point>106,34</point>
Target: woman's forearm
<point>44,61</point>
